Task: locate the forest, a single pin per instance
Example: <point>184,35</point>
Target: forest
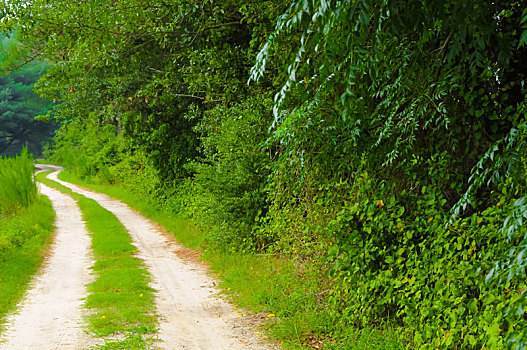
<point>379,146</point>
<point>19,105</point>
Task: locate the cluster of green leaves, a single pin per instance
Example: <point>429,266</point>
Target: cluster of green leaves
<point>395,259</point>
<point>226,195</point>
<point>394,162</point>
<point>98,152</point>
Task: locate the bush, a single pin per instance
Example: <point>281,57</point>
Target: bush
<point>227,191</point>
<point>394,259</point>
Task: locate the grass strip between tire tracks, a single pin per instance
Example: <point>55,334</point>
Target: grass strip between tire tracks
<point>120,298</point>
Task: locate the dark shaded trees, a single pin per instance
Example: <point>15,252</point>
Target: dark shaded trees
<point>19,105</point>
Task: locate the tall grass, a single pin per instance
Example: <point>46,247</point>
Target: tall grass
<point>26,224</point>
<point>24,239</point>
<point>17,185</point>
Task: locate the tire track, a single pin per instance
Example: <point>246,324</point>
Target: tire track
<point>50,314</point>
<point>191,316</point>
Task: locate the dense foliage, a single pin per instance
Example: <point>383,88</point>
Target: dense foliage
<point>392,158</point>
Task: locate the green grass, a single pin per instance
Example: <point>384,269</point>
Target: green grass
<point>274,286</point>
<point>367,339</point>
<point>17,188</point>
<point>120,299</point>
<point>26,224</point>
<point>270,284</point>
<point>24,240</point>
<point>267,285</point>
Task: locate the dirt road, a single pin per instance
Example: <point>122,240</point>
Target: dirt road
<point>50,315</point>
<point>191,314</point>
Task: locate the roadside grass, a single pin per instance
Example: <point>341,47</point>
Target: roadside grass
<point>366,339</point>
<point>24,241</point>
<point>121,301</point>
<point>17,187</point>
<point>26,226</point>
<point>288,301</point>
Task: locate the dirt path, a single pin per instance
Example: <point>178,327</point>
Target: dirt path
<point>191,315</point>
<point>50,316</point>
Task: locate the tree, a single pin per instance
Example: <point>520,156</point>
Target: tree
<point>150,68</point>
<point>19,106</point>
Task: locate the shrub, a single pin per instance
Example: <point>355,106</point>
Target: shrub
<point>227,192</point>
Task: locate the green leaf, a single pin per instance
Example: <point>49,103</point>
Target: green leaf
<point>473,305</point>
<point>523,39</point>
